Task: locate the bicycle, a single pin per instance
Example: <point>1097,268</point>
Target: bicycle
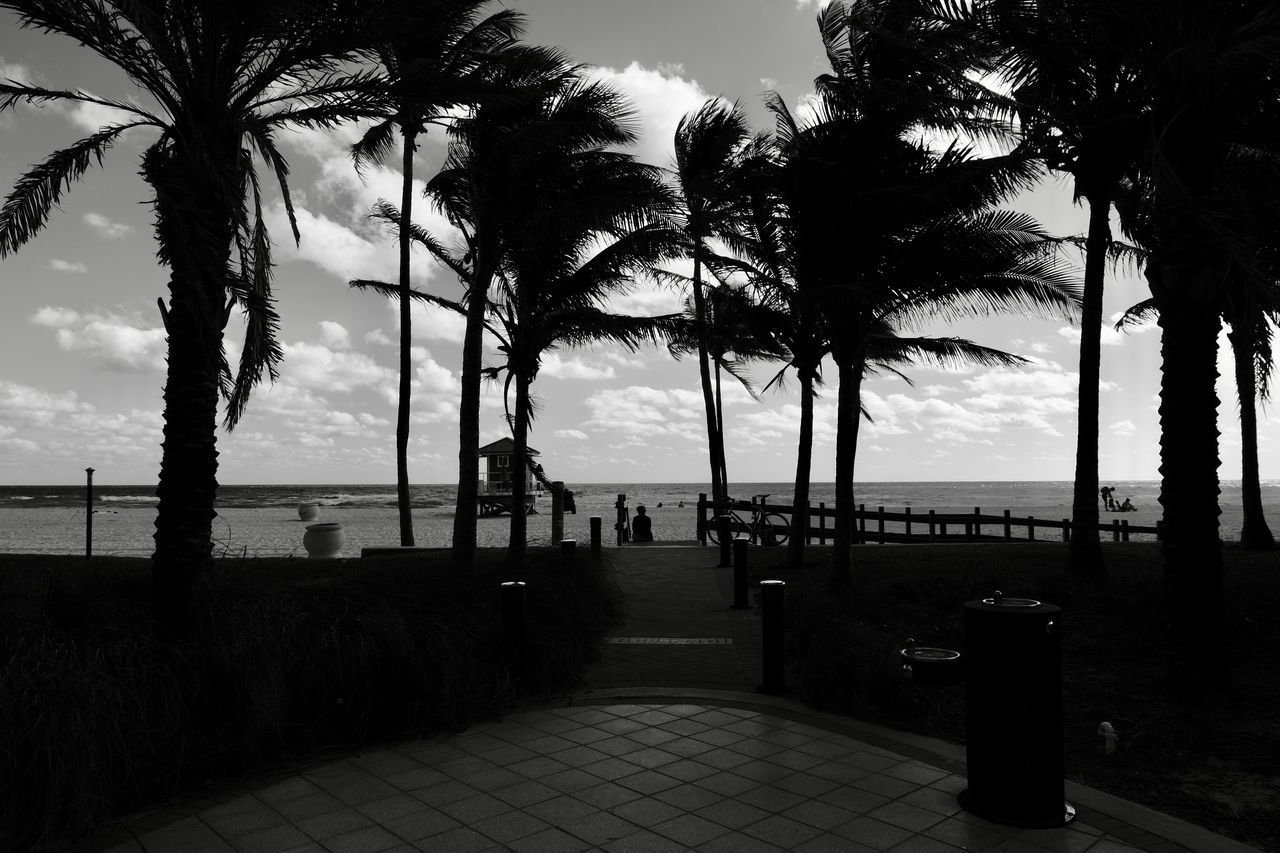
<point>769,528</point>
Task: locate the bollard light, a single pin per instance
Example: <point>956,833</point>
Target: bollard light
<point>740,581</point>
<point>772,636</point>
<point>723,525</point>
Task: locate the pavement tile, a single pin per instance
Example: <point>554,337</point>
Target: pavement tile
<point>525,793</point>
<point>612,768</point>
<point>718,737</point>
<point>620,726</point>
<point>616,745</point>
<point>932,799</point>
<point>689,797</point>
<point>287,789</point>
<point>238,824</point>
<point>627,710</point>
<point>922,844</point>
<point>688,770</point>
<point>869,760</point>
<point>724,759</point>
<point>905,815</point>
<point>688,747</point>
<point>915,771</point>
<point>732,814</point>
<point>463,839</point>
<point>758,748</point>
<point>578,756</point>
<point>568,781</point>
<point>842,774</point>
<point>600,828</point>
<point>274,838</point>
<point>793,760</point>
<point>646,812</point>
<point>369,839</point>
<point>309,847</point>
<point>384,762</point>
<point>309,805</point>
<point>537,767</point>
<point>655,718</point>
<point>330,824</point>
<point>190,835</point>
<point>606,795</point>
<point>510,753</point>
<point>390,807</point>
<point>443,793</point>
<point>586,716</point>
<point>727,784</point>
<point>548,744</point>
<point>805,785</point>
<point>651,757</point>
<point>886,786</point>
<point>873,833</point>
<point>412,780</point>
<point>423,823</point>
<point>549,841</point>
<point>782,831</point>
<point>689,830</point>
<point>475,809</point>
<point>587,735</point>
<point>736,842</point>
<point>648,782</point>
<point>460,768</point>
<point>770,798</point>
<point>508,827</point>
<point>686,727</point>
<point>964,834</point>
<point>645,842</point>
<point>560,810</point>
<point>655,736</point>
<point>431,752</point>
<point>828,843</point>
<point>951,783</point>
<point>492,780</point>
<point>763,771</point>
<point>819,814</point>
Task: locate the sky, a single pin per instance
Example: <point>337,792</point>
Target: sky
<point>82,348</point>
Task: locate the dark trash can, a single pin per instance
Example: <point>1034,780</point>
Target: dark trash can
<point>1013,712</point>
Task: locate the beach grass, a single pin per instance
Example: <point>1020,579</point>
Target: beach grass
<point>101,713</point>
<point>1212,763</point>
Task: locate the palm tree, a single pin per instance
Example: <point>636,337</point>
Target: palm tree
<point>1080,112</point>
<point>708,143</point>
<point>1209,70</point>
<point>897,231</point>
<point>437,67</point>
<point>493,188</point>
<point>222,77</point>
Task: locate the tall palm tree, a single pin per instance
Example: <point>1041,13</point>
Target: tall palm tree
<point>708,142</point>
<point>1209,69</point>
<point>435,68</point>
<point>898,231</point>
<point>1079,106</point>
<point>221,77</point>
<point>493,187</point>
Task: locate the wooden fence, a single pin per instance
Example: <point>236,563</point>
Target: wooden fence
<point>880,526</point>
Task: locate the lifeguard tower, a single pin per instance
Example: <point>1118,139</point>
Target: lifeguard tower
<point>496,480</point>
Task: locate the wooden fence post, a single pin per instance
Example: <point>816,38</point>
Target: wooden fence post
<point>1124,530</point>
<point>862,524</point>
<point>1008,530</point>
<point>1066,530</point>
<point>879,525</point>
<point>977,524</point>
<point>1115,530</point>
<point>822,522</point>
<point>1031,527</point>
<point>621,524</point>
<point>931,513</point>
<point>907,510</point>
<point>702,518</point>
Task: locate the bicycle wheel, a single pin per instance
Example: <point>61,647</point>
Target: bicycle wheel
<point>736,528</point>
<point>774,529</point>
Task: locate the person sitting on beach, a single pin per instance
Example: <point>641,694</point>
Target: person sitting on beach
<point>1128,506</point>
<point>641,526</point>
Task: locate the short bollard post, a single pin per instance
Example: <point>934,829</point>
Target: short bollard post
<point>512,608</point>
<point>740,573</point>
<point>722,533</point>
<point>88,515</point>
<point>597,524</point>
<point>772,609</point>
<point>568,548</point>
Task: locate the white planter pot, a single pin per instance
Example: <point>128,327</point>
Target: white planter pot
<point>308,512</point>
<point>324,539</point>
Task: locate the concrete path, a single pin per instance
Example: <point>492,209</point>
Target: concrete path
<point>667,750</point>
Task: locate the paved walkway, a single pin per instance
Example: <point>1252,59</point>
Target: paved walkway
<point>665,751</point>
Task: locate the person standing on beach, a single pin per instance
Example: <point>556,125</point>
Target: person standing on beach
<point>1108,502</point>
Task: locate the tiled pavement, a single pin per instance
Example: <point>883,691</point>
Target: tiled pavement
<point>691,765</point>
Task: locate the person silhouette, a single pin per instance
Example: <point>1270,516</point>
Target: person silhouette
<point>1108,502</point>
<point>1128,506</point>
<point>641,526</point>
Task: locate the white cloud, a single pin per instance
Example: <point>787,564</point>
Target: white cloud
<point>661,99</point>
<point>319,368</point>
<point>68,266</point>
<point>335,335</point>
<point>1110,337</point>
<point>379,337</point>
<point>575,434</point>
<point>113,341</point>
<point>1123,428</point>
<point>431,322</point>
<point>105,227</point>
<point>575,368</point>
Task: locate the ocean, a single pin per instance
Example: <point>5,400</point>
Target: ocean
<point>257,520</point>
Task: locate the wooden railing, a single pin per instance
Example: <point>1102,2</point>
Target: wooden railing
<point>881,526</point>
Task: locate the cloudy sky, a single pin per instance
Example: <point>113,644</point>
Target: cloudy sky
<point>81,349</point>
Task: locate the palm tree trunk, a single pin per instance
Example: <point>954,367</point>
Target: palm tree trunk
<point>848,417</point>
<point>1189,489</point>
<point>804,463</point>
<point>463,552</point>
<point>516,546</point>
<point>188,485</point>
<point>704,372</point>
<point>406,342</point>
<point>1255,534</point>
<point>720,454</point>
<point>1085,550</point>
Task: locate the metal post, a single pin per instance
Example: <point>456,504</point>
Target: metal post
<point>621,526</point>
<point>512,608</point>
<point>597,524</point>
<point>557,511</point>
<point>772,636</point>
<point>722,533</point>
<point>740,574</point>
<point>88,515</point>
